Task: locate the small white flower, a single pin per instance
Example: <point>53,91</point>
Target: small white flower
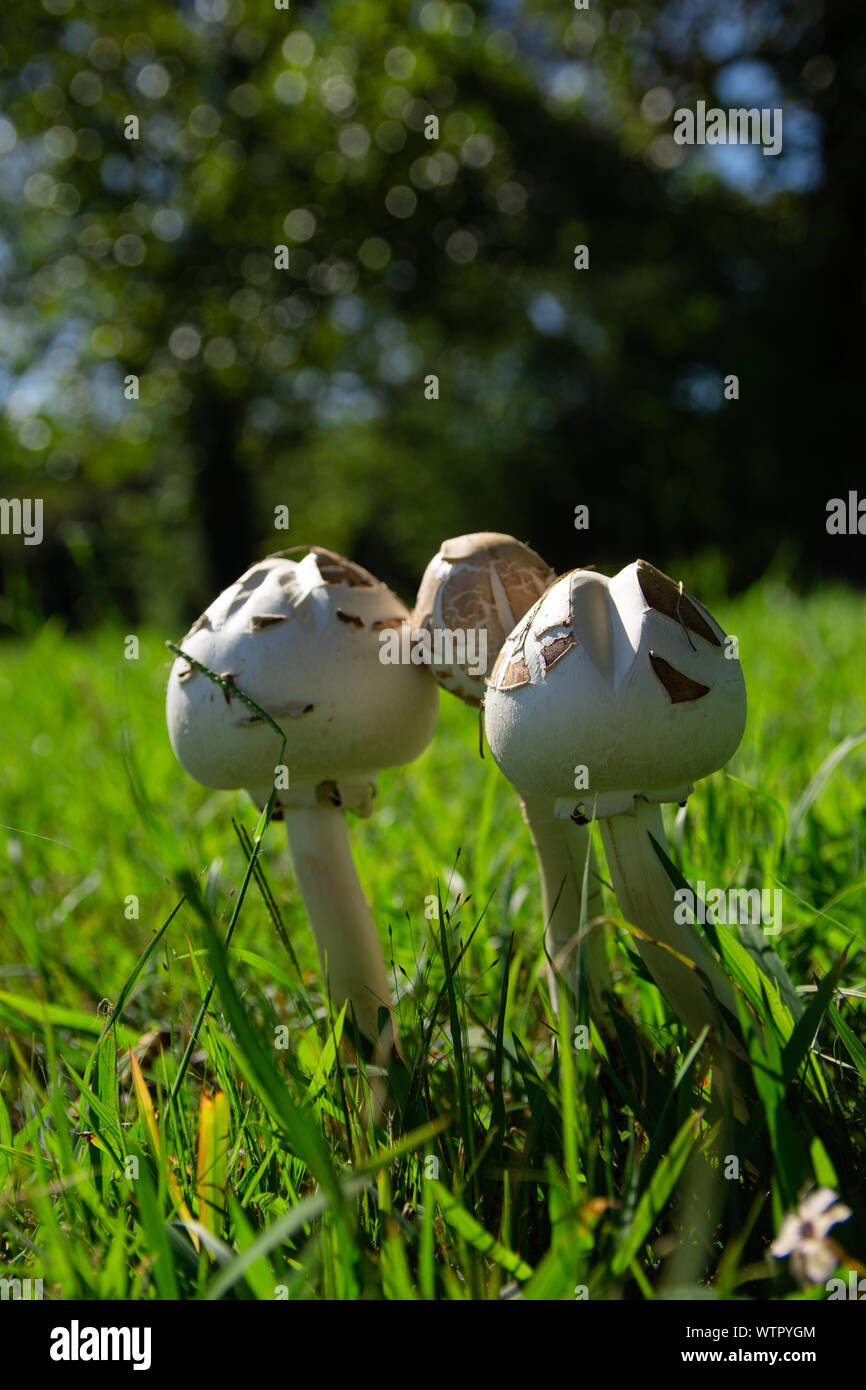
<point>804,1236</point>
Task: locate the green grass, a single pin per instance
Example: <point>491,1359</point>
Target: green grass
<point>508,1161</point>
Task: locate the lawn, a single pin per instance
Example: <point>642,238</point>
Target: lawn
<point>237,1157</point>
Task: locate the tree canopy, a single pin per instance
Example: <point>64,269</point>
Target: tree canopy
<point>430,170</point>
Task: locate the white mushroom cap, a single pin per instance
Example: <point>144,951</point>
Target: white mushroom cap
<point>482,582</point>
<point>628,677</point>
<point>301,638</point>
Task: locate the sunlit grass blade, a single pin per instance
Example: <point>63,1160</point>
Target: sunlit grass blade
<point>211,1167</point>
<point>475,1234</point>
<point>147,1113</point>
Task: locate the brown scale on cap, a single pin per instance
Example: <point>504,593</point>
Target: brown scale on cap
<point>291,711</point>
<point>516,673</point>
<point>666,596</point>
<point>263,620</point>
<point>203,621</point>
<point>679,686</point>
<point>334,568</point>
<point>228,679</point>
<point>350,619</point>
<point>554,651</point>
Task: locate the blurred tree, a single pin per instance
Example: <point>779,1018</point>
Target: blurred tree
<point>154,257</point>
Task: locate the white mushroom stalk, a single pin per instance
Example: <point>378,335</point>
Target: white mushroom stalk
<point>632,680</point>
<point>301,639</point>
<point>473,592</point>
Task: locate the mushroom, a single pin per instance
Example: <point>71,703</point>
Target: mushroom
<point>301,639</point>
<point>472,593</point>
<point>631,678</point>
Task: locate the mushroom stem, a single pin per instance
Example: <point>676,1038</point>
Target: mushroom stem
<point>345,933</point>
<point>646,897</point>
<point>561,848</point>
